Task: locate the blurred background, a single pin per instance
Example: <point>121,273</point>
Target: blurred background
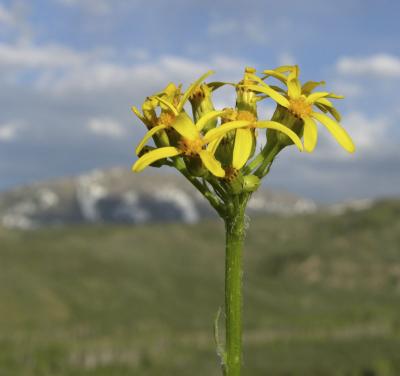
<point>103,272</point>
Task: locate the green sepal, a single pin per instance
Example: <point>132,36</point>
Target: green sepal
<point>224,151</point>
<point>285,117</point>
<point>251,183</point>
<point>161,139</point>
<point>235,182</point>
<point>195,166</point>
<point>246,100</point>
<point>201,101</point>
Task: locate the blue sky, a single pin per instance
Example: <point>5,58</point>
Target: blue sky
<point>71,69</point>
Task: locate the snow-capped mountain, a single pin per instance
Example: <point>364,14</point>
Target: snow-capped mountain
<point>118,196</point>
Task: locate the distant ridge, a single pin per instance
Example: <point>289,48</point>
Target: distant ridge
<point>118,196</point>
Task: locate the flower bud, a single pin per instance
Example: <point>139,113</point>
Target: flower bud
<point>234,179</point>
<point>225,149</point>
<point>172,94</point>
<point>149,112</point>
<point>251,183</point>
<point>246,100</point>
<point>202,104</point>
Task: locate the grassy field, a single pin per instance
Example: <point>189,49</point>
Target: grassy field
<point>322,298</point>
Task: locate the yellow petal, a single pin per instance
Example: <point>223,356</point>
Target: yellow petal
<point>191,88</point>
<point>268,90</point>
<point>285,68</point>
<point>315,96</point>
<point>309,86</point>
<point>205,118</point>
<point>242,148</point>
<point>321,107</point>
<point>336,130</point>
<point>324,101</point>
<point>294,73</point>
<point>224,128</point>
<point>279,98</point>
<point>148,135</point>
<point>213,145</point>
<point>138,114</point>
<point>154,155</point>
<point>168,104</point>
<point>335,96</point>
<point>310,134</point>
<point>328,106</point>
<point>184,125</point>
<point>335,113</point>
<point>279,76</point>
<point>217,84</point>
<point>282,128</point>
<point>278,89</point>
<point>212,164</point>
<point>294,88</point>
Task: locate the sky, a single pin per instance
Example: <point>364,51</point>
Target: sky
<point>71,69</point>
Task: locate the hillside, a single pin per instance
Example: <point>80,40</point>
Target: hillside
<point>322,297</point>
<point>119,196</point>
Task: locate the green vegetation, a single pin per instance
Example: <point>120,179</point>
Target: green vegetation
<point>322,298</point>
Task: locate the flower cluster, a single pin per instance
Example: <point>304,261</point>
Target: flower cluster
<point>215,148</point>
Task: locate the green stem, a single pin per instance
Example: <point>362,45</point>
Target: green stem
<point>264,167</point>
<point>234,226</point>
<point>212,199</point>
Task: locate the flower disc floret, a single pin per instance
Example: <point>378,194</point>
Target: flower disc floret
<point>191,148</point>
<point>247,116</point>
<point>166,119</point>
<point>231,173</point>
<point>299,102</point>
<point>299,107</point>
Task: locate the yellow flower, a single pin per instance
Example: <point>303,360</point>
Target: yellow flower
<point>148,115</point>
<point>245,125</point>
<point>299,101</point>
<point>171,102</point>
<point>191,144</point>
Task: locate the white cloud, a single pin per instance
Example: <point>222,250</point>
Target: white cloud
<point>222,27</point>
<point>367,133</point>
<point>346,88</point>
<point>8,132</point>
<point>139,54</point>
<point>101,75</point>
<point>93,6</point>
<point>60,68</point>
<point>6,17</point>
<point>30,56</point>
<point>106,127</point>
<point>251,30</point>
<point>382,65</point>
<point>286,58</point>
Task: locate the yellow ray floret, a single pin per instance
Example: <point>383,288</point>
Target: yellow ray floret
<point>191,144</point>
<point>244,138</point>
<point>300,104</point>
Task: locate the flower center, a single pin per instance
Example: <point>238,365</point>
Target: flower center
<point>191,148</point>
<point>230,174</point>
<point>246,115</point>
<point>198,94</point>
<point>299,107</point>
<point>166,118</point>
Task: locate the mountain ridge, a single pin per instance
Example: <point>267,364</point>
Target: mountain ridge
<point>118,196</point>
